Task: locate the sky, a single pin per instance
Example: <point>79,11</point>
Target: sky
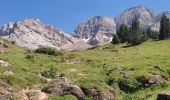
<point>68,14</point>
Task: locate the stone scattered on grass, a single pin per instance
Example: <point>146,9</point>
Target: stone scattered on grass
<point>164,96</point>
<point>63,86</point>
<point>4,64</point>
<point>7,73</point>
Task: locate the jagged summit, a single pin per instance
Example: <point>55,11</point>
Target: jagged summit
<point>145,16</point>
<point>32,33</point>
<point>96,30</point>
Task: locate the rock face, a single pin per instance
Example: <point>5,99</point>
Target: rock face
<point>96,30</point>
<point>164,96</point>
<point>32,34</point>
<point>63,86</point>
<point>145,16</point>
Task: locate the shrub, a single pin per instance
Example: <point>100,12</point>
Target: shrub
<point>51,73</point>
<point>13,42</point>
<point>30,57</point>
<point>48,51</point>
<point>129,85</point>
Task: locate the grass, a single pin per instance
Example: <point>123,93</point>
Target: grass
<point>85,68</point>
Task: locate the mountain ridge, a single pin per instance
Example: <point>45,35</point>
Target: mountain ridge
<point>97,30</point>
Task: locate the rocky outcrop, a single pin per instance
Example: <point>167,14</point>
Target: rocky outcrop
<point>8,92</point>
<point>96,30</point>
<point>4,64</point>
<point>106,95</point>
<point>164,96</point>
<point>63,86</point>
<point>156,79</point>
<point>36,95</point>
<point>33,34</point>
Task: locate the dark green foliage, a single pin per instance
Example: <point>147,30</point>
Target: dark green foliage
<point>164,28</point>
<point>48,51</point>
<point>122,33</point>
<point>152,34</point>
<point>129,85</point>
<point>30,57</point>
<point>51,73</point>
<point>115,39</point>
<point>13,42</point>
<point>136,35</point>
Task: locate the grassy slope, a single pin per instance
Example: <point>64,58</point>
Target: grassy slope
<point>92,67</point>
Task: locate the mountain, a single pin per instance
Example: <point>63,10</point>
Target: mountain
<point>96,30</point>
<point>32,34</point>
<point>145,16</point>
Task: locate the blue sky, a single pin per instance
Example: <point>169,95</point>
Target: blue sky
<point>67,14</point>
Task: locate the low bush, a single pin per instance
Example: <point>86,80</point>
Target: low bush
<point>51,73</point>
<point>129,86</point>
<point>48,51</point>
<point>30,57</point>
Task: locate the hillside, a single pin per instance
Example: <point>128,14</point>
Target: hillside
<point>94,69</point>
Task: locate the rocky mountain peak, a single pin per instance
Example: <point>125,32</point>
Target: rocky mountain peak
<point>32,33</point>
<point>145,16</point>
<point>96,30</point>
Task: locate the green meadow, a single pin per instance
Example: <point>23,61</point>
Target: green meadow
<point>94,68</point>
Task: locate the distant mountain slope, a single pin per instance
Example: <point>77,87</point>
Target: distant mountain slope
<point>32,34</point>
<point>96,30</point>
<point>145,16</point>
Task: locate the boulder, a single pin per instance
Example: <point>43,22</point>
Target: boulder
<point>9,93</point>
<point>36,95</point>
<point>8,73</point>
<point>63,86</point>
<point>164,96</point>
<point>4,64</point>
<point>109,94</point>
<point>156,79</point>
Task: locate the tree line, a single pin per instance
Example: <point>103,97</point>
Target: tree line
<point>134,35</point>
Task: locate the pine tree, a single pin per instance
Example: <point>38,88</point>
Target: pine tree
<point>164,28</point>
<point>152,34</point>
<point>122,33</point>
<point>136,35</point>
<point>115,39</point>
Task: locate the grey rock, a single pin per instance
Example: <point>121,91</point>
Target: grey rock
<point>63,86</point>
<point>9,93</point>
<point>4,64</point>
<point>36,95</point>
<point>156,79</point>
<point>105,95</point>
<point>8,73</point>
<point>164,96</point>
